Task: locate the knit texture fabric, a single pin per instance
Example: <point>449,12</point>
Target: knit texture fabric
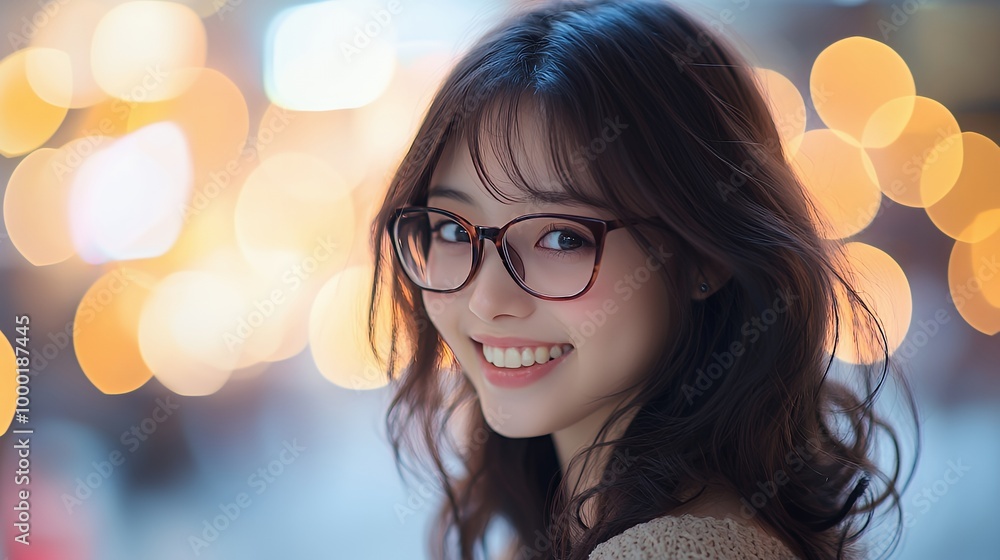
<point>692,538</point>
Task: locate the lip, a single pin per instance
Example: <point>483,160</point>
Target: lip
<point>505,378</point>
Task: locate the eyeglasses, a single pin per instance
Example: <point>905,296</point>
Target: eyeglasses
<point>550,256</point>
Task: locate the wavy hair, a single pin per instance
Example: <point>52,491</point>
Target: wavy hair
<point>761,408</point>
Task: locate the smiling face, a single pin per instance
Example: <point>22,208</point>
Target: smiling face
<point>615,329</point>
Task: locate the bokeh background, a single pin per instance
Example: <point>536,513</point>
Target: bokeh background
<point>187,189</point>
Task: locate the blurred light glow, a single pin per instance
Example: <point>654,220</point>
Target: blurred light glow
<point>882,285</point>
<point>270,305</point>
<point>974,282</point>
<point>330,55</point>
<point>970,212</point>
<point>205,8</point>
<point>852,78</point>
<point>50,73</point>
<point>107,118</point>
<point>368,198</point>
<point>36,208</point>
<point>985,255</point>
<point>213,115</point>
<point>294,218</point>
<point>26,120</point>
<point>126,200</point>
<point>140,47</point>
<point>8,382</point>
<point>183,327</point>
<point>923,163</point>
<point>329,135</point>
<point>788,109</point>
<point>276,327</point>
<point>838,174</point>
<point>69,32</point>
<point>387,126</point>
<point>108,317</point>
<point>294,331</point>
<point>338,331</point>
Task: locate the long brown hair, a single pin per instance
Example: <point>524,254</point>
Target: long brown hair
<point>697,149</point>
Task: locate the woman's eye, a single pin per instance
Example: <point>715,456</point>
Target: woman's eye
<point>452,232</point>
<point>563,240</point>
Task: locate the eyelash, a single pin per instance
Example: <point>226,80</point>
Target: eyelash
<point>587,244</point>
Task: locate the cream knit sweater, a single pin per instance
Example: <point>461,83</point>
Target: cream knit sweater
<point>692,538</point>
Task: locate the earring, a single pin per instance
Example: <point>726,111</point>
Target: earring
<point>703,287</point>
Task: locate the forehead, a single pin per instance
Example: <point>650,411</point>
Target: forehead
<point>457,185</point>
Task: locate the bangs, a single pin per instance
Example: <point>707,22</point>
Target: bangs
<point>511,126</point>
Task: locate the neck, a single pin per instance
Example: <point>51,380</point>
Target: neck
<point>572,440</point>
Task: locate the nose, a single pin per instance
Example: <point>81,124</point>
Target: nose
<point>494,292</point>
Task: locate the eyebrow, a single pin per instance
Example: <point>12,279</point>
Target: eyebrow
<point>549,197</point>
<point>445,191</point>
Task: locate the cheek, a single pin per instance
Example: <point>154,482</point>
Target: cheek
<point>443,314</point>
<point>592,317</point>
<point>434,305</point>
<point>620,323</point>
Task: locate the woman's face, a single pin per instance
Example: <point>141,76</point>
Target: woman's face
<point>615,329</point>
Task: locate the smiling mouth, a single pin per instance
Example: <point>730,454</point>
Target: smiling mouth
<point>520,357</point>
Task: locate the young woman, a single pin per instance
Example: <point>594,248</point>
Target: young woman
<point>630,332</point>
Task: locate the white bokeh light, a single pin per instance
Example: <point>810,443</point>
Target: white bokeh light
<point>331,55</point>
<point>126,200</point>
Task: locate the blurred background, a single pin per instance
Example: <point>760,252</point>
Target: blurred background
<point>187,188</point>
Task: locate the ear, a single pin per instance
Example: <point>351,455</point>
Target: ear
<point>710,272</point>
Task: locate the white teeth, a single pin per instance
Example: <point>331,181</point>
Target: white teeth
<point>541,354</point>
<point>511,358</point>
<point>525,356</point>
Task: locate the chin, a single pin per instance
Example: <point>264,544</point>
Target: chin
<point>510,423</point>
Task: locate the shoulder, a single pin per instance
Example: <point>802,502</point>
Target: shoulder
<point>688,537</point>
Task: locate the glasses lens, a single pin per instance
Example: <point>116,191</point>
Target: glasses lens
<point>435,249</point>
<point>552,256</point>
